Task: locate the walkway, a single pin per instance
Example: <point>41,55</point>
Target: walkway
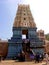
<point>12,62</point>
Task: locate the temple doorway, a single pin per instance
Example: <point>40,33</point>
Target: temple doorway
<point>24,34</point>
<point>25,44</point>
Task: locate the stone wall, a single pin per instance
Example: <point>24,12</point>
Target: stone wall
<point>47,46</point>
<point>3,48</point>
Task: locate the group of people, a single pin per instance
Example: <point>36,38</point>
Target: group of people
<point>37,57</point>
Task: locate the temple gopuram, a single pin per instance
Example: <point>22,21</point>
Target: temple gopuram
<point>24,35</point>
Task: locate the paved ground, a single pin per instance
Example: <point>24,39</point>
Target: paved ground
<point>11,62</point>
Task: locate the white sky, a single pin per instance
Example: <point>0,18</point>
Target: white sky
<point>23,36</point>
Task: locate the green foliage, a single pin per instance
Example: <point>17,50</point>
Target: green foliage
<point>47,36</point>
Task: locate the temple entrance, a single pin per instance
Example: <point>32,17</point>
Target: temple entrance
<point>24,34</point>
<point>25,44</point>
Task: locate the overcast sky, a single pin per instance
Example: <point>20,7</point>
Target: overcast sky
<point>8,8</point>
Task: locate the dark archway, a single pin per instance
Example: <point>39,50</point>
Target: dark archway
<point>25,32</point>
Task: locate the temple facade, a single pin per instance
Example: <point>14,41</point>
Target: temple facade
<point>24,34</point>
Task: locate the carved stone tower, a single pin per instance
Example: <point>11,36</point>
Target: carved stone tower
<point>24,17</point>
<point>24,33</point>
